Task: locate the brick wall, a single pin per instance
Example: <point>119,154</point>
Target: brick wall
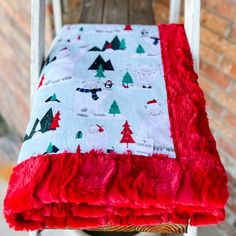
<point>217,77</point>
<point>14,73</point>
<point>15,62</point>
<point>218,80</point>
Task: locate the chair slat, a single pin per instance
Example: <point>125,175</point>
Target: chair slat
<point>174,11</point>
<point>116,12</point>
<point>37,41</point>
<point>192,28</point>
<point>141,12</point>
<point>92,11</point>
<point>57,14</point>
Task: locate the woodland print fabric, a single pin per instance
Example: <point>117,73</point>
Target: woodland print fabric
<point>102,87</point>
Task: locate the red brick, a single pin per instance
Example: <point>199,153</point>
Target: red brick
<point>209,55</point>
<point>227,101</point>
<point>225,8</point>
<point>218,43</point>
<point>215,75</point>
<point>229,50</point>
<point>228,147</point>
<point>229,68</point>
<point>205,84</point>
<point>20,17</point>
<point>213,106</point>
<point>234,91</point>
<point>233,33</point>
<point>211,39</point>
<point>230,119</point>
<point>214,22</point>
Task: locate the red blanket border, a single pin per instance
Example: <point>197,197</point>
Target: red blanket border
<point>47,192</point>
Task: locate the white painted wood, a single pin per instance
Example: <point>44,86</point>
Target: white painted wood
<point>57,14</point>
<point>192,231</point>
<point>34,233</point>
<point>192,28</point>
<point>174,11</point>
<point>78,233</point>
<point>37,41</point>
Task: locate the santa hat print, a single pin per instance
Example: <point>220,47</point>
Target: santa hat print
<point>100,128</point>
<point>154,101</point>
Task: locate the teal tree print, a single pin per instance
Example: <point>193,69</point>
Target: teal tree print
<point>122,44</point>
<point>140,49</point>
<point>114,109</point>
<point>127,79</point>
<point>100,73</point>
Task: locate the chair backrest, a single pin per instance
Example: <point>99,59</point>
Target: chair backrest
<point>191,23</point>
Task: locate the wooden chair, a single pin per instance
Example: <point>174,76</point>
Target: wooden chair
<point>192,28</point>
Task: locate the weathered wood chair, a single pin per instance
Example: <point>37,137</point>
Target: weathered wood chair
<point>124,12</point>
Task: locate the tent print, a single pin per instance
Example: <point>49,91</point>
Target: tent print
<point>100,61</point>
<point>52,98</point>
<point>51,149</point>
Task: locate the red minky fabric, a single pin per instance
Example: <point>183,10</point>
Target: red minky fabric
<point>81,190</point>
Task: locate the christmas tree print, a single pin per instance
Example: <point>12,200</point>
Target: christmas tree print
<point>55,121</point>
<point>122,44</point>
<point>81,29</point>
<point>41,81</point>
<point>51,149</point>
<point>127,134</point>
<point>49,60</point>
<point>128,27</point>
<point>100,72</point>
<point>46,121</point>
<point>115,44</point>
<point>140,49</point>
<point>33,131</point>
<point>127,79</point>
<point>52,98</point>
<point>114,109</point>
<point>109,46</point>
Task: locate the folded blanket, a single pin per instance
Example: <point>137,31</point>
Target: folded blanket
<point>118,135</point>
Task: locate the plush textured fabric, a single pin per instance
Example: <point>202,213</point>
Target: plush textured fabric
<point>79,190</point>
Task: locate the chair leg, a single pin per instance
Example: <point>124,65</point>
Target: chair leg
<point>78,233</point>
<point>34,233</point>
<point>192,231</point>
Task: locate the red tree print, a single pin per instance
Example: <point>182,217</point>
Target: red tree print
<point>128,27</point>
<point>127,132</point>
<point>55,121</point>
<point>41,81</point>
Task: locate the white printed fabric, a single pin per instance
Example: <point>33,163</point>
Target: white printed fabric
<point>102,87</point>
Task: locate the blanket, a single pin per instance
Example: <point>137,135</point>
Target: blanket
<point>118,135</point>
